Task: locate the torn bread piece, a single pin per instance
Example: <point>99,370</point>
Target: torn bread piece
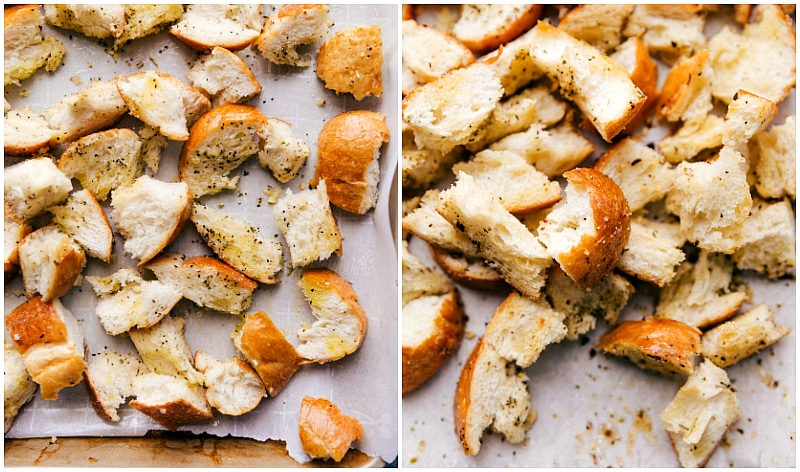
<point>351,61</point>
<point>702,293</point>
<point>503,240</point>
<point>669,31</point>
<point>468,271</point>
<point>232,386</point>
<point>266,349</point>
<point>483,28</point>
<point>693,138</point>
<point>422,168</point>
<point>127,301</point>
<point>773,160</point>
<point>239,244</point>
<point>325,432</point>
<point>588,230</point>
<point>91,109</point>
<point>599,25</point>
<point>747,115</point>
<point>429,53</point>
<point>224,77</point>
<point>31,187</point>
<point>153,143</point>
<point>767,239</point>
<point>205,26</point>
<point>281,152</point>
<point>348,159</point>
<point>95,21</point>
<point>600,87</point>
<point>420,280</point>
<point>340,324</point>
<point>491,393</point>
<point>426,223</point>
<point>634,57</point>
<point>104,161</point>
<point>109,380</point>
<point>307,223</point>
<point>658,344</point>
<point>686,93</point>
<point>651,254</point>
<point>513,63</point>
<point>50,262</point>
<point>290,27</point>
<point>13,233</point>
<point>50,340</point>
<point>700,414</point>
<point>742,336</point>
<point>164,350</point>
<point>170,400</point>
<point>150,214</point>
<point>85,221</point>
<point>205,280</point>
<point>25,49</point>
<point>25,132</point>
<point>163,101</point>
<point>18,386</point>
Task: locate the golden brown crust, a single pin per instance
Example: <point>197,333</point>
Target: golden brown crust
<point>422,361</point>
<point>17,13</point>
<point>657,344</point>
<point>351,61</point>
<point>457,267</point>
<point>324,431</point>
<point>348,144</point>
<point>645,76</point>
<point>408,12</point>
<point>597,254</point>
<point>33,322</point>
<point>677,84</point>
<point>324,279</point>
<point>523,23</point>
<point>172,414</point>
<point>271,355</point>
<point>464,397</point>
<point>212,263</point>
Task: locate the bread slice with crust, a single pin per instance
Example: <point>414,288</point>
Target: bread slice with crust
<point>483,28</point>
<point>50,340</point>
<point>468,271</point>
<point>170,400</point>
<point>25,49</point>
<point>634,57</point>
<point>85,221</point>
<point>91,109</point>
<point>164,350</point>
<point>50,261</point>
<point>651,254</point>
<point>351,61</point>
<point>325,432</point>
<point>224,77</point>
<point>109,380</point>
<point>25,132</point>
<point>429,53</point>
<point>18,386</point>
<point>205,26</point>
<point>31,187</point>
<point>290,27</point>
<point>95,21</point>
<point>427,224</point>
<point>742,336</point>
<point>232,386</point>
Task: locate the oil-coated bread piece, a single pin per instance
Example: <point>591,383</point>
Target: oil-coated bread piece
<point>742,336</point>
<point>265,347</point>
<point>224,77</point>
<point>292,26</point>
<point>426,223</point>
<point>483,28</point>
<point>341,322</point>
<point>281,152</point>
<point>170,400</point>
<point>91,109</point>
<point>348,159</point>
<point>31,187</point>
<point>519,186</point>
<point>325,432</point>
<point>150,214</point>
<point>521,328</point>
<point>686,93</point>
<point>205,280</point>
<point>126,301</point>
<point>50,340</point>
<point>579,308</point>
<point>638,170</point>
<point>634,57</point>
<point>85,221</point>
<point>747,115</point>
<point>50,262</point>
<point>767,239</point>
<point>307,223</point>
<point>504,241</point>
<point>588,230</point>
<point>702,293</point>
<point>669,31</point>
<point>351,61</point>
<point>420,280</point>
<point>599,25</point>
<point>13,233</point>
<point>600,87</point>
<point>429,53</point>
<point>472,272</point>
<point>692,138</point>
<point>422,168</point>
<point>651,255</point>
<point>700,414</point>
<point>761,60</point>
<point>433,326</point>
<point>773,160</point>
<point>164,350</point>
<point>657,344</point>
<point>513,63</point>
<point>18,386</point>
<point>96,21</point>
<point>109,381</point>
<point>239,244</point>
<point>232,386</point>
<point>163,101</point>
<point>104,161</point>
<point>445,112</point>
<point>491,393</point>
<point>25,49</point>
<point>205,26</point>
<point>25,132</point>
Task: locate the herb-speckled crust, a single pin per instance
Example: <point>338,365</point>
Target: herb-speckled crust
<point>481,35</point>
<point>351,62</point>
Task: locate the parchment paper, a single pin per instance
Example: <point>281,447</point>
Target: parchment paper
<point>596,410</point>
<point>364,384</point>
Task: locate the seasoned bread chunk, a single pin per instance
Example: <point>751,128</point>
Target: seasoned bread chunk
<point>25,132</point>
<point>651,254</point>
<point>700,414</point>
<point>483,28</point>
<point>341,322</point>
<point>292,26</point>
<point>426,223</point>
<point>669,31</point>
<point>91,109</point>
<point>348,159</point>
<point>224,77</point>
<point>773,160</point>
<point>634,57</point>
<point>25,49</point>
<point>126,301</point>
<point>471,272</point>
<point>50,262</point>
<point>232,386</point>
<point>170,400</point>
<point>13,233</point>
<point>768,239</point>
<point>639,171</point>
<point>150,214</point>
<point>31,187</point>
<point>429,53</point>
<point>109,380</point>
<point>351,61</point>
<point>50,340</point>
<point>308,225</point>
<point>420,280</point>
<point>85,221</point>
<point>281,152</point>
<point>95,21</point>
<point>239,244</point>
<point>18,386</point>
<point>205,26</point>
<point>325,432</point>
<point>588,230</point>
<point>164,350</point>
<point>657,344</point>
<point>599,25</point>
<point>742,336</point>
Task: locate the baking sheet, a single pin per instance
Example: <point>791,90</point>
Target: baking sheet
<point>596,410</point>
<point>364,384</point>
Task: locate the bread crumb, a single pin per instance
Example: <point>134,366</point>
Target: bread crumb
<point>221,206</point>
<point>76,80</point>
<point>24,93</point>
<point>469,335</point>
<point>272,194</point>
<point>421,446</point>
<point>320,102</point>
